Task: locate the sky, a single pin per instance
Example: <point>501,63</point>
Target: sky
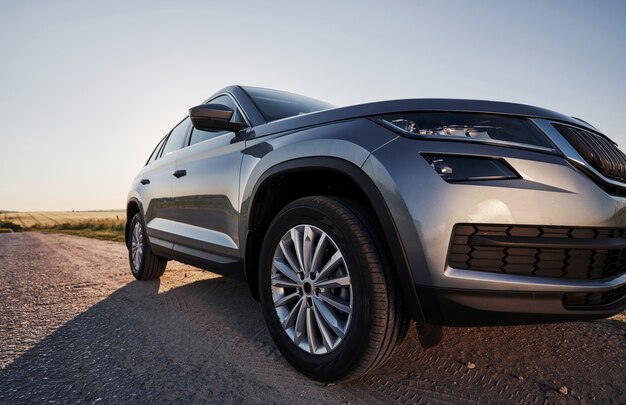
<point>88,88</point>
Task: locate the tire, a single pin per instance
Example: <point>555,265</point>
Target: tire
<point>367,318</point>
<point>144,265</point>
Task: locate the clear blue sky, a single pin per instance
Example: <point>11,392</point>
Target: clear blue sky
<point>88,88</point>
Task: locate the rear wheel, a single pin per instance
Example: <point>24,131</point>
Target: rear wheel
<point>144,264</point>
<point>328,303</point>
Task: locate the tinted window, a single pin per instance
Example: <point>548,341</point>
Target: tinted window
<point>155,152</point>
<point>275,104</point>
<point>199,136</point>
<point>176,138</point>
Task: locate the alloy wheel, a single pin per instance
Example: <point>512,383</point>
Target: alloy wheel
<point>136,245</point>
<point>311,289</point>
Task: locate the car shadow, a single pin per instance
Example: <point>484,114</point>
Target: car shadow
<point>206,341</point>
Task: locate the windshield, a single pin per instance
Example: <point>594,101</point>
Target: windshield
<point>275,104</point>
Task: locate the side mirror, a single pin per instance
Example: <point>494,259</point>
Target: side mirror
<point>211,117</point>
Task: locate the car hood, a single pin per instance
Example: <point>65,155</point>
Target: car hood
<point>411,105</point>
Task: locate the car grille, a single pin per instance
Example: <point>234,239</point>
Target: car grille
<point>602,154</point>
<point>540,251</point>
<point>593,299</point>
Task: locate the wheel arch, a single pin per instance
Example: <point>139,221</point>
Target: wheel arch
<point>262,205</point>
<point>132,207</point>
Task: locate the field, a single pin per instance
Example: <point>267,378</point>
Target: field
<point>108,225</point>
<point>51,218</point>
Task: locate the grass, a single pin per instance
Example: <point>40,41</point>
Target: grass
<point>49,218</point>
<point>106,225</point>
<point>105,229</point>
<point>10,226</point>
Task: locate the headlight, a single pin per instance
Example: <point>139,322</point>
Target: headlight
<point>453,168</point>
<point>487,128</point>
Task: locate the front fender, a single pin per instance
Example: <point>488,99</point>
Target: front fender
<point>270,157</point>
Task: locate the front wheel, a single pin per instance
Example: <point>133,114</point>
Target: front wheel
<point>328,302</point>
<point>144,264</point>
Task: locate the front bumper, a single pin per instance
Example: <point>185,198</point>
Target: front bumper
<point>486,308</point>
<point>551,193</point>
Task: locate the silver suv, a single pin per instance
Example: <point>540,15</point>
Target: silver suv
<point>348,222</point>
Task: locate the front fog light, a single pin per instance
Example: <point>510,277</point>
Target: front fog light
<point>453,168</point>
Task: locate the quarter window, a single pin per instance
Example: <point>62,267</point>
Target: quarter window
<point>177,137</point>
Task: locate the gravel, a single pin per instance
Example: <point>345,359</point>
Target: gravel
<point>76,327</point>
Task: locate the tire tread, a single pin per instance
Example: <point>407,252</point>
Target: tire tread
<point>153,266</point>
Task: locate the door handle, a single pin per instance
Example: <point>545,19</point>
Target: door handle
<point>180,173</point>
<point>145,181</point>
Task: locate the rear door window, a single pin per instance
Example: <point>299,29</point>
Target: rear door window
<point>177,137</point>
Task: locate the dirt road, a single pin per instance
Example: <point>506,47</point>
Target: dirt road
<point>75,327</point>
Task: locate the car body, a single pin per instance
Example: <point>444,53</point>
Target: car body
<point>486,212</point>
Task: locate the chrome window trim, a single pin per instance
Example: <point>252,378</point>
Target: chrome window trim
<point>156,152</point>
<point>547,126</point>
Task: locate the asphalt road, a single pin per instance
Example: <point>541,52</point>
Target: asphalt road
<point>75,327</point>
